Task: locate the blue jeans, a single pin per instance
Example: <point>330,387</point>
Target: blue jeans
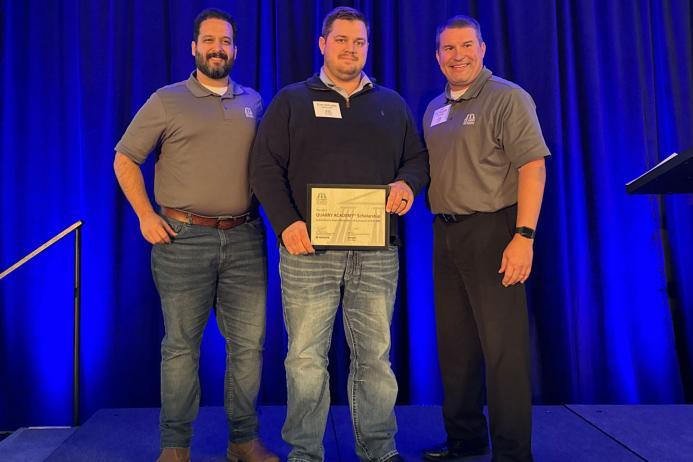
<point>202,267</point>
<point>312,288</point>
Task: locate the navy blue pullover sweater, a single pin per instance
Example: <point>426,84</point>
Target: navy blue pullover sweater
<point>375,142</point>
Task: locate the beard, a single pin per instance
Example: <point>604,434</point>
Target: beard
<point>213,72</point>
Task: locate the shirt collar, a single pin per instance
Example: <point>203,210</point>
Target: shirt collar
<point>474,89</point>
<point>363,83</point>
<point>198,90</point>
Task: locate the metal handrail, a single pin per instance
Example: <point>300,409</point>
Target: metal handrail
<point>76,227</point>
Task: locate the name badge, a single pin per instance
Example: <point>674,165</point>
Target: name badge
<point>327,109</point>
<point>441,115</point>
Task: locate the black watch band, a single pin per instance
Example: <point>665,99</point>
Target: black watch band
<point>525,231</point>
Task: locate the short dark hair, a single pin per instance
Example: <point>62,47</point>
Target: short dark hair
<point>458,22</point>
<point>213,13</point>
<point>343,12</point>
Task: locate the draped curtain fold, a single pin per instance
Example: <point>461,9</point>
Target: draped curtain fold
<point>611,297</point>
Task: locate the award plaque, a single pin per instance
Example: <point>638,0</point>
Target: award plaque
<point>348,217</point>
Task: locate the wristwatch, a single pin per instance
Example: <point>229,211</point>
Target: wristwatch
<point>525,231</point>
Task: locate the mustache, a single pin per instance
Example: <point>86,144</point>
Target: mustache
<point>348,54</point>
<point>217,54</point>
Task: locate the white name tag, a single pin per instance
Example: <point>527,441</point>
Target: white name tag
<point>327,109</point>
<point>441,115</point>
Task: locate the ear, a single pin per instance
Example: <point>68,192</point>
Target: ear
<point>193,48</point>
<point>483,49</point>
<point>235,52</point>
<point>438,57</point>
<point>321,44</point>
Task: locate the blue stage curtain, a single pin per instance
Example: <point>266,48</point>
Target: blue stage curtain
<point>613,86</point>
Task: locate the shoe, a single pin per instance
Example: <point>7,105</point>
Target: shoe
<point>250,451</point>
<point>454,449</point>
<point>174,455</point>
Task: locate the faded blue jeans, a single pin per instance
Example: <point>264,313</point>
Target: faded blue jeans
<point>312,287</point>
<point>201,268</point>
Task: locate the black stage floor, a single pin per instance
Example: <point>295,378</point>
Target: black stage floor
<point>581,433</point>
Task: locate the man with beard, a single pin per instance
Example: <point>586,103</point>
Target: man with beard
<point>337,128</point>
<point>487,183</point>
<point>208,240</point>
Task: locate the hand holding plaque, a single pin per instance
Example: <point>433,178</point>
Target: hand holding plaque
<point>348,217</point>
<point>400,198</point>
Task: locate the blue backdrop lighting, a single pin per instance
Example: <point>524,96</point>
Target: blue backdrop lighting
<point>611,295</point>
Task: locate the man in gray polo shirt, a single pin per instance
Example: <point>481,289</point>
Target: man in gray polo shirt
<point>208,241</point>
<point>487,182</point>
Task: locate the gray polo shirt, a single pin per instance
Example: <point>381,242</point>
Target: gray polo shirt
<point>202,142</point>
<point>476,145</point>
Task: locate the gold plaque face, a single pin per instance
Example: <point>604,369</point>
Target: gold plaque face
<point>348,217</point>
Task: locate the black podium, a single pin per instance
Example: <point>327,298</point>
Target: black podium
<point>672,175</point>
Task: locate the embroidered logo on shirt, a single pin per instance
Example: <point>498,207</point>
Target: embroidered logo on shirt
<point>470,119</point>
<point>249,113</point>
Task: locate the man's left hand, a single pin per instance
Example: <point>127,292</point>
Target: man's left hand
<point>517,260</point>
<point>400,199</point>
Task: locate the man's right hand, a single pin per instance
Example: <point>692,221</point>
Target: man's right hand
<point>296,240</point>
<point>155,229</point>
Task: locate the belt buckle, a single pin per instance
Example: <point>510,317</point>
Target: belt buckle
<point>234,220</point>
<point>222,222</point>
<point>447,218</point>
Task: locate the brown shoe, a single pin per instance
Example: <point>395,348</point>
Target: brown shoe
<point>250,451</point>
<point>174,455</point>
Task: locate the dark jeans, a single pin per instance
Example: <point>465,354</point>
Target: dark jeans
<point>482,327</point>
<point>201,268</point>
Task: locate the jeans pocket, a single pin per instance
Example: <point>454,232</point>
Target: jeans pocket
<point>257,224</point>
<point>178,227</point>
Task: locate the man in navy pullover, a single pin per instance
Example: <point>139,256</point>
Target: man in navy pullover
<point>337,128</point>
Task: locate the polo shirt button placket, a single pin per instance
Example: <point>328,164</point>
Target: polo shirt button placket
<point>227,106</point>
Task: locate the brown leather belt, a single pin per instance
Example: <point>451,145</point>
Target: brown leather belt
<point>212,222</point>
